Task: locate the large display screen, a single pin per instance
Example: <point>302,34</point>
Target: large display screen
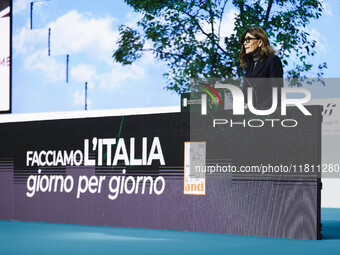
<point>61,46</point>
<point>5,105</point>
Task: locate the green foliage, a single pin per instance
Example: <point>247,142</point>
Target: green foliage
<point>186,35</point>
<point>131,46</point>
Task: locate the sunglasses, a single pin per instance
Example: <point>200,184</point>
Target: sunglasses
<point>248,39</point>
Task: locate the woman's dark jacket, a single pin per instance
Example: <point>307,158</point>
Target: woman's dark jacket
<point>262,79</point>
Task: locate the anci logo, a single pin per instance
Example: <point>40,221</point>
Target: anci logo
<point>238,105</point>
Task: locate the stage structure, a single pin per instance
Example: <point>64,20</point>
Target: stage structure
<point>135,171</point>
<point>5,53</point>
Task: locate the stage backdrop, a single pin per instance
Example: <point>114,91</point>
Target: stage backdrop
<point>128,171</point>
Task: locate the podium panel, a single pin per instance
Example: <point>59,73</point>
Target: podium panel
<point>128,171</point>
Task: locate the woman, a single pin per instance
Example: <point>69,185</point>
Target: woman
<point>261,62</point>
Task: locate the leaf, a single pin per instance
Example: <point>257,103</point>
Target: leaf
<point>185,35</point>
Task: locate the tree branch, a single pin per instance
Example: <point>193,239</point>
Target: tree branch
<point>166,53</point>
<point>269,7</point>
<point>201,29</point>
<point>221,18</point>
<point>213,41</point>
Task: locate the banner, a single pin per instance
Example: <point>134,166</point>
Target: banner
<point>132,171</point>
